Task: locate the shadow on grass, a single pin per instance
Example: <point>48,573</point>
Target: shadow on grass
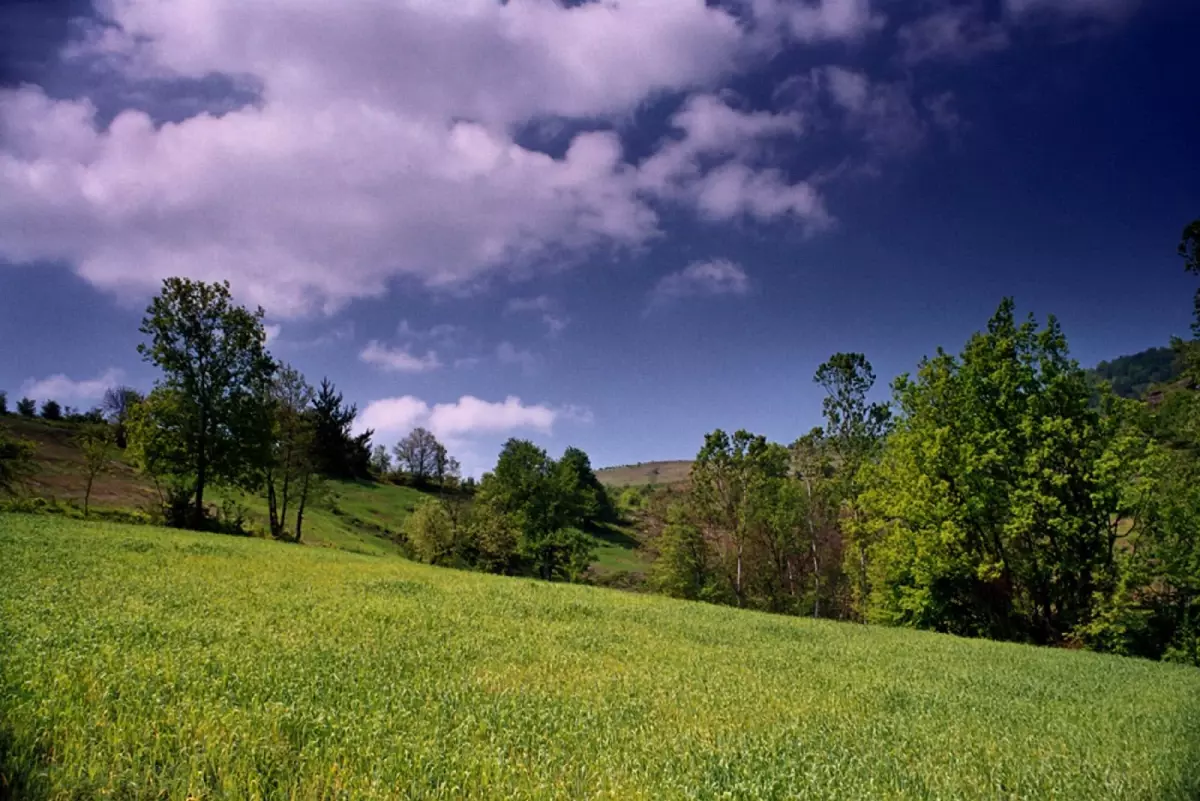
<point>614,536</point>
<point>22,770</point>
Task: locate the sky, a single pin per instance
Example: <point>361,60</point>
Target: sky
<point>615,224</point>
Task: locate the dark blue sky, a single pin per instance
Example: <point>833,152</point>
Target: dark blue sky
<point>642,227</point>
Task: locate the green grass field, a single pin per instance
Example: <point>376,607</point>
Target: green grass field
<point>146,663</point>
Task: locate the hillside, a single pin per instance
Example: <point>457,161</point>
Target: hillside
<point>1132,375</point>
<point>643,473</point>
<point>144,662</point>
<point>358,516</point>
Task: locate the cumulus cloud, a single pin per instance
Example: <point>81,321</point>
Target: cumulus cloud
<point>711,131</point>
<point>64,389</point>
<point>702,278</point>
<point>380,144</point>
<point>466,417</point>
<point>397,360</point>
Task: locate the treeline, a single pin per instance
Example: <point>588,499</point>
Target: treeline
<point>225,414</point>
<point>532,515</point>
<point>992,497</point>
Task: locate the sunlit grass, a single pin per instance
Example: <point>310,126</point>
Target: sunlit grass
<point>145,663</point>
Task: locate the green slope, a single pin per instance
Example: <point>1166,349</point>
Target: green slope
<point>146,663</point>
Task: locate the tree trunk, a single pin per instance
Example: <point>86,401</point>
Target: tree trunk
<point>273,507</point>
<point>87,495</point>
<point>201,473</point>
<point>816,580</point>
<point>300,505</point>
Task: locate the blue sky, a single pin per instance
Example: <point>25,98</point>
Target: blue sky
<point>617,226</point>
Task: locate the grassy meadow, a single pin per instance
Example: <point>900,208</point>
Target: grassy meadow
<point>147,663</point>
<point>647,473</point>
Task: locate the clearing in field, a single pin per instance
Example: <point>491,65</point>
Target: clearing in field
<point>147,663</point>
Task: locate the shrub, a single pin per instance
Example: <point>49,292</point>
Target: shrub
<point>430,533</point>
<point>3,403</point>
<point>27,407</point>
<point>51,410</point>
<point>16,463</point>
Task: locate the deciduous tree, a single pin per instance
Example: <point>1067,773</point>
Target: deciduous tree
<point>214,361</point>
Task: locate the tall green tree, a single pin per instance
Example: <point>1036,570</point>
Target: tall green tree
<point>420,455</point>
<point>213,357</point>
<point>724,479</point>
<point>528,488</point>
<point>996,504</point>
<point>288,469</point>
<point>27,407</point>
<point>339,453</point>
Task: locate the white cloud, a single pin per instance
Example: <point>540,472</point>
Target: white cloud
<point>382,142</point>
<point>470,415</point>
<point>702,278</point>
<point>272,331</point>
<point>67,390</point>
<point>398,360</point>
<point>466,417</point>
<point>713,131</point>
<point>820,20</point>
<point>392,415</point>
<point>507,353</point>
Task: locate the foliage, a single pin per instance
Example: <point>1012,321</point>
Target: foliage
<point>287,471</point>
<point>421,456</point>
<point>214,361</point>
<point>97,443</point>
<point>27,407</point>
<point>16,463</point>
<point>381,461</point>
<point>158,430</point>
<point>549,503</point>
<point>431,534</point>
<point>1189,251</point>
<point>684,567</point>
<point>996,503</point>
<point>726,477</point>
<point>147,663</point>
<point>51,410</point>
<point>338,453</point>
<point>1131,376</point>
<point>3,403</point>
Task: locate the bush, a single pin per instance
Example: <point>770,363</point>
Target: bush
<point>27,407</point>
<point>51,410</point>
<point>16,463</point>
<point>430,534</point>
<point>3,403</point>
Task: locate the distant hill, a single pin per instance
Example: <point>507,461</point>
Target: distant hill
<point>636,475</point>
<point>1132,375</point>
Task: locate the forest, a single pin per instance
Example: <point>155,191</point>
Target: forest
<point>1002,492</point>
